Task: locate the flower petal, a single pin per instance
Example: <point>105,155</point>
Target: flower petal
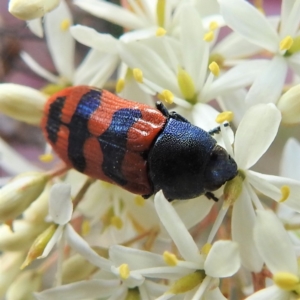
<point>93,288</point>
<point>176,229</point>
<point>223,259</point>
<point>36,27</point>
<point>243,220</point>
<point>83,248</point>
<point>290,24</point>
<point>239,15</point>
<point>267,87</point>
<point>273,292</point>
<point>60,42</point>
<point>214,294</point>
<point>60,203</point>
<point>255,133</point>
<point>274,244</point>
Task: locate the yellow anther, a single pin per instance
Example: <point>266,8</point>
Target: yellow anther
<point>186,283</point>
<point>286,43</point>
<point>285,192</point>
<point>224,116</point>
<point>160,12</point>
<point>139,201</point>
<point>295,47</point>
<point>206,248</point>
<point>166,96</point>
<point>218,58</point>
<point>120,85</point>
<point>213,25</point>
<point>259,5</point>
<point>208,37</point>
<point>85,227</point>
<point>138,75</point>
<point>160,31</point>
<point>186,84</point>
<point>65,24</point>
<point>285,280</point>
<point>233,189</point>
<point>116,221</point>
<point>214,68</point>
<point>48,157</point>
<point>170,258</point>
<point>124,271</point>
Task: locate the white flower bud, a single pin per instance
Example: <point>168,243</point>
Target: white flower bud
<point>29,10</point>
<point>10,263</point>
<point>18,194</point>
<point>22,103</point>
<point>25,284</point>
<point>289,105</point>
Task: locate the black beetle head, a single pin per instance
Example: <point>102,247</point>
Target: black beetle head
<point>220,168</point>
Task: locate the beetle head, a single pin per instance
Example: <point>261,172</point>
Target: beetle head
<point>220,168</point>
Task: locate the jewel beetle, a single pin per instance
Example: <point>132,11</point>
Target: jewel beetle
<point>140,148</point>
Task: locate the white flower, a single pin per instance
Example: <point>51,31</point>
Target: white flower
<point>239,15</point>
<point>277,251</point>
<point>254,135</point>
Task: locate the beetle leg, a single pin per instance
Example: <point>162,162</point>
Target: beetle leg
<point>210,195</point>
<point>217,129</point>
<point>176,116</point>
<point>162,109</point>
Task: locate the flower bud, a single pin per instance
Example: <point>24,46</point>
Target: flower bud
<point>10,263</point>
<point>22,103</point>
<point>29,10</point>
<point>289,105</point>
<point>25,284</point>
<point>22,237</point>
<point>39,245</point>
<point>18,194</point>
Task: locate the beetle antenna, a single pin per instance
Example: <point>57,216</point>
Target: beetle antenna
<point>217,129</point>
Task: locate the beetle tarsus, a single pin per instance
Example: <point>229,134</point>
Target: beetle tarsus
<point>162,109</point>
<point>211,196</point>
<point>217,129</point>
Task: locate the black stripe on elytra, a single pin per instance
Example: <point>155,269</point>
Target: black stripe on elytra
<point>113,143</point>
<point>78,128</point>
<point>54,118</point>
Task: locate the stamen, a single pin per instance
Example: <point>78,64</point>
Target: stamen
<point>47,157</point>
<point>208,37</point>
<point>285,192</point>
<point>166,96</point>
<point>65,24</point>
<point>120,85</point>
<point>160,31</point>
<point>124,271</point>
<point>117,222</point>
<point>186,84</point>
<point>206,248</point>
<point>139,201</point>
<point>286,43</point>
<point>85,227</point>
<point>224,116</point>
<point>138,75</point>
<point>213,25</point>
<point>286,281</point>
<point>214,68</point>
<point>160,12</point>
<point>170,258</point>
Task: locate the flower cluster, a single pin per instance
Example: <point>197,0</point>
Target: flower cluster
<point>213,62</point>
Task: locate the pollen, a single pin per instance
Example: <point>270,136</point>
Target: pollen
<point>160,31</point>
<point>117,222</point>
<point>170,258</point>
<point>214,68</point>
<point>124,271</point>
<point>120,85</point>
<point>166,96</point>
<point>286,43</point>
<point>47,157</point>
<point>224,116</point>
<point>85,227</point>
<point>208,37</point>
<point>206,248</point>
<point>139,201</point>
<point>138,75</point>
<point>213,25</point>
<point>285,193</point>
<point>65,24</point>
<point>286,281</point>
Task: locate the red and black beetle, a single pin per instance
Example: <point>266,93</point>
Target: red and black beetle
<point>140,148</point>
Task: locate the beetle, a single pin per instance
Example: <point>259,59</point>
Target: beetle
<point>140,148</point>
